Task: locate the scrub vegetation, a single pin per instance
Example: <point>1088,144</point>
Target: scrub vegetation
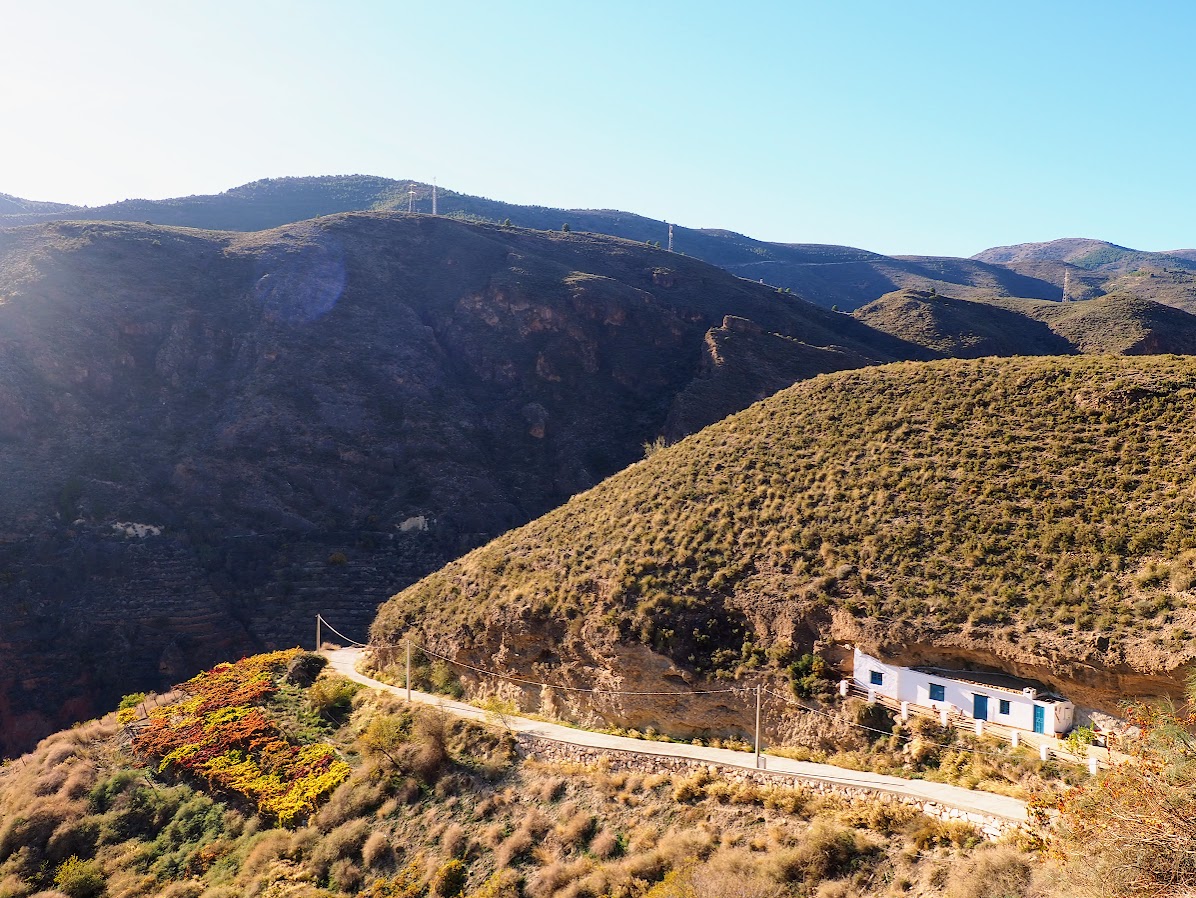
<point>1042,504</point>
<point>434,806</point>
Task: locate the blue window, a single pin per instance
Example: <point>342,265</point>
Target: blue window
<point>937,692</point>
<point>1003,706</point>
<point>876,678</point>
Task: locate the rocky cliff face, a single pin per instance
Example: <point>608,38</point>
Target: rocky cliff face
<point>209,437</point>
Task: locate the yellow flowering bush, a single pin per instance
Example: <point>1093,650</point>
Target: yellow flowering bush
<point>221,734</point>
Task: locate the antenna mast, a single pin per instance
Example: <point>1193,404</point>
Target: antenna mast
<point>433,196</point>
<point>410,199</point>
<point>670,238</point>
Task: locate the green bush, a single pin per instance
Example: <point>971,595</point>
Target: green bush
<point>809,675</point>
<point>79,879</point>
<point>332,697</point>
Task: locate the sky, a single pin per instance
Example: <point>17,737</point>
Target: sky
<point>935,128</point>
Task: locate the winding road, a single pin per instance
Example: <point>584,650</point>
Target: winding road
<point>1001,807</point>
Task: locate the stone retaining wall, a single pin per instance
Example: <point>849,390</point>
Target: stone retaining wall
<point>548,750</point>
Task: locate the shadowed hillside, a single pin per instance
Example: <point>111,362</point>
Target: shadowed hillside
<point>1028,515</point>
<point>209,437</point>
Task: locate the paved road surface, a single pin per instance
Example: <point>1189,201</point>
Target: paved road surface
<point>344,661</point>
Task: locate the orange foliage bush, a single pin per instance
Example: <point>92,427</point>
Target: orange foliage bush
<point>220,734</point>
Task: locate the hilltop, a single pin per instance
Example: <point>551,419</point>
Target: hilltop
<point>827,275</point>
<point>209,436</point>
<point>1026,515</point>
<point>823,274</point>
<point>1119,324</point>
<point>1094,268</point>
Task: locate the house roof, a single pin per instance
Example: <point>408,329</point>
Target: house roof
<point>998,681</point>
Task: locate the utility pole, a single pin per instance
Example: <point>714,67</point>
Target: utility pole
<point>670,238</point>
<point>757,726</point>
<point>410,200</point>
<point>318,643</point>
<point>433,196</point>
<point>408,680</point>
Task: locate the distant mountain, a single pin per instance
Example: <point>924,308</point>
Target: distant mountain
<point>1118,324</point>
<point>1090,255</point>
<point>15,206</point>
<point>207,437</point>
<point>1094,268</point>
<point>825,275</point>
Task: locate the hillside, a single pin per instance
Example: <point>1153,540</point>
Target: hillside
<point>959,328</point>
<point>406,802</point>
<point>1027,515</point>
<point>15,205</point>
<point>1123,324</point>
<point>1095,268</point>
<point>209,437</point>
<point>1118,324</point>
<point>273,202</point>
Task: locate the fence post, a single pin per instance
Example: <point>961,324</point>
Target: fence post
<point>1044,752</point>
<point>944,717</point>
<point>979,727</point>
<point>1093,765</point>
<point>844,688</point>
<point>1015,738</point>
<point>904,711</point>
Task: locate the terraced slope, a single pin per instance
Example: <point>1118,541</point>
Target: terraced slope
<point>1030,515</point>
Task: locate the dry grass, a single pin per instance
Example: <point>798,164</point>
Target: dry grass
<point>540,830</point>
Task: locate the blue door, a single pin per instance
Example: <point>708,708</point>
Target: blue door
<point>979,707</point>
<point>1039,719</point>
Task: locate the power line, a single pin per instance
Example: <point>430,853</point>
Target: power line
<point>517,679</point>
<point>742,690</point>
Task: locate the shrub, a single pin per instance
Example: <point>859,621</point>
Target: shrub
<point>79,879</point>
<point>377,851</point>
<point>449,881</point>
<point>302,672</point>
<point>332,697</point>
<point>809,674</point>
<point>825,852</point>
<point>606,844</point>
<point>132,700</point>
<point>991,872</point>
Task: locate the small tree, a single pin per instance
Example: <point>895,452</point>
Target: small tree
<point>565,229</point>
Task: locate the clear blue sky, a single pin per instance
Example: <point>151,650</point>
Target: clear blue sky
<point>902,127</point>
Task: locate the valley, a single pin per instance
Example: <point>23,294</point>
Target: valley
<point>572,457</point>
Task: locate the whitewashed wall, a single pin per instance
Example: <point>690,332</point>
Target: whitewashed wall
<point>904,684</point>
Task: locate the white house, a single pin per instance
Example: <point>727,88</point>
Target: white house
<point>980,696</point>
